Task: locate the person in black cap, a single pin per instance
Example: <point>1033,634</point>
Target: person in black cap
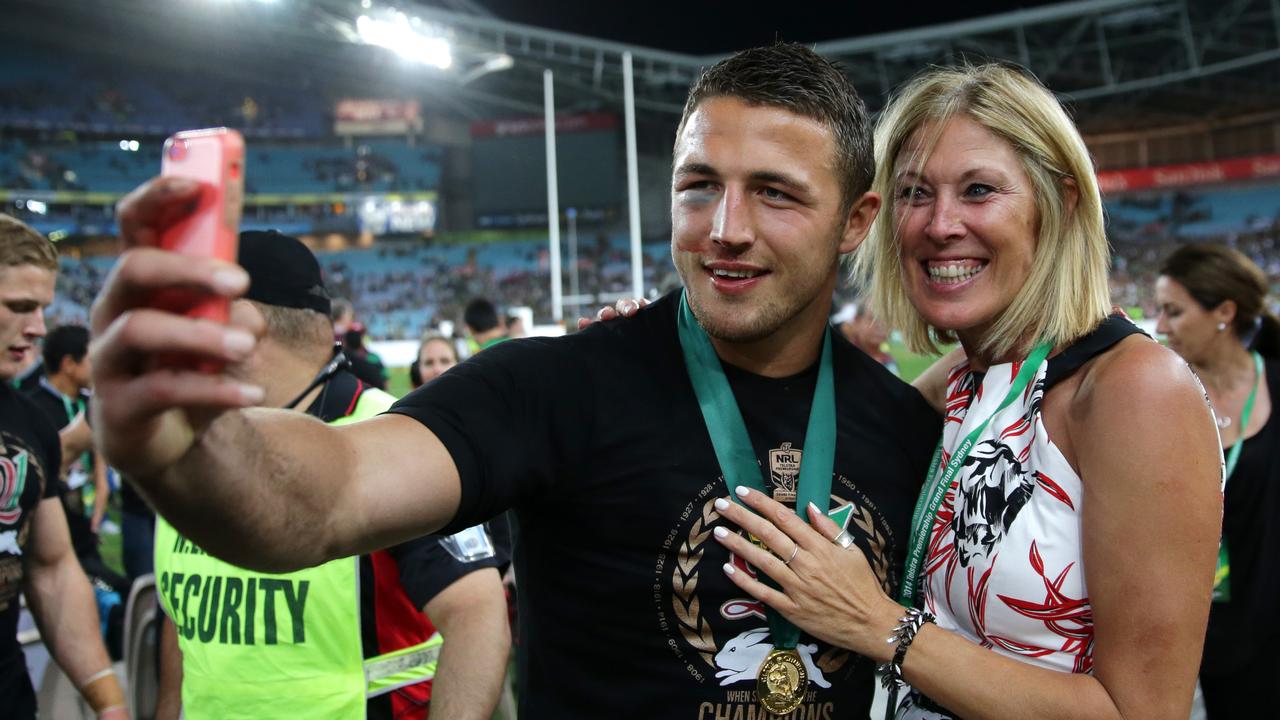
<point>368,608</point>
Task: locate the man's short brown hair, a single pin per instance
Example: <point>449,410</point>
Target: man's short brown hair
<point>20,244</point>
<point>793,77</point>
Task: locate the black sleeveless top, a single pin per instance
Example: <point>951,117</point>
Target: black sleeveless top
<point>1109,332</point>
<point>1242,629</point>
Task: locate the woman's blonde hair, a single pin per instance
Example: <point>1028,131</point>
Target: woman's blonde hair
<point>1066,294</point>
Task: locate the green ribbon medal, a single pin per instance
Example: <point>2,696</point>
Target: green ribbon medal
<point>1222,574</point>
<point>782,679</point>
<point>936,485</point>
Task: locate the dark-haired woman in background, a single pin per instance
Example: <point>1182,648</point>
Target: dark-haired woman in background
<point>1213,310</point>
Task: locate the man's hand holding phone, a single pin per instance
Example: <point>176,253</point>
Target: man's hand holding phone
<point>149,409</point>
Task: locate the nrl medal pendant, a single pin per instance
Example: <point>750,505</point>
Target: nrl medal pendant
<point>782,682</point>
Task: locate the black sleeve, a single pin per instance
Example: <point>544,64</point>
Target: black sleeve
<point>516,419</point>
<point>427,568</point>
<point>52,446</point>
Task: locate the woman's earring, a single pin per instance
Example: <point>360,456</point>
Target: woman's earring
<point>1222,326</point>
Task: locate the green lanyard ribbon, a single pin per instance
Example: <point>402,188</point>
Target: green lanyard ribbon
<point>72,408</point>
<point>931,495</point>
<point>1234,455</point>
<point>732,444</point>
<point>1222,573</point>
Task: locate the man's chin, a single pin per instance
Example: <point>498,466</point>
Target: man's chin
<point>737,329</point>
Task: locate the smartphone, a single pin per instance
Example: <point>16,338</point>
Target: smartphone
<point>215,159</point>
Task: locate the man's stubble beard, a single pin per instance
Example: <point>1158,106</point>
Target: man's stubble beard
<point>762,318</point>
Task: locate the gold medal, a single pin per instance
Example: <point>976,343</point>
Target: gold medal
<point>782,682</point>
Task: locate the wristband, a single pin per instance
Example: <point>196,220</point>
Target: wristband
<point>115,712</point>
<point>903,634</point>
<point>102,691</point>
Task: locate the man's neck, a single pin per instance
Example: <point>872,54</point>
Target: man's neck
<point>789,350</point>
<point>488,336</point>
<point>289,375</point>
<point>64,385</point>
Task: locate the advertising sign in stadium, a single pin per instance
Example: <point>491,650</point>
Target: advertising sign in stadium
<point>387,216</point>
<point>510,127</point>
<point>1188,174</point>
<point>377,117</point>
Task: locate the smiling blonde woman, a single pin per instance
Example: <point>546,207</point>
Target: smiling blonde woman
<point>1062,553</point>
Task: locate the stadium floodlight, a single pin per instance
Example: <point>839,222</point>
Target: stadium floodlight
<point>37,207</point>
<point>398,36</point>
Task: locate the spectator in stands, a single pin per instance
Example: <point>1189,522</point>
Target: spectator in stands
<point>347,638</point>
<point>1092,475</point>
<point>36,556</point>
<point>1213,310</point>
<point>860,327</point>
<point>484,324</point>
<point>435,355</point>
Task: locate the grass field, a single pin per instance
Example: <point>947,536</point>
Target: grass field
<point>909,363</point>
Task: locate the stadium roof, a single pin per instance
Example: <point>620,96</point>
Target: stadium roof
<point>1121,63</point>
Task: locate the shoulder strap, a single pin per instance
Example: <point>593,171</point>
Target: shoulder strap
<point>1110,331</point>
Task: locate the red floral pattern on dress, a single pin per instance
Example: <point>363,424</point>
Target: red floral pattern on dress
<point>1016,500</point>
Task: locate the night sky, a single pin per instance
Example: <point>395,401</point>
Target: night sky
<point>700,27</point>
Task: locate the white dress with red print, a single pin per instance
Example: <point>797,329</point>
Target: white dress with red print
<point>1004,563</point>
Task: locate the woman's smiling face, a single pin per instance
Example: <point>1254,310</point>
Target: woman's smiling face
<point>967,225</point>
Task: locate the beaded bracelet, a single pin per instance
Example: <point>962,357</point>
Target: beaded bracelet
<point>905,632</point>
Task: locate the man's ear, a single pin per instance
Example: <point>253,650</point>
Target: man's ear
<point>858,223</point>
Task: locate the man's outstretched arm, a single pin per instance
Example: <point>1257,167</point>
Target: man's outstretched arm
<point>268,490</point>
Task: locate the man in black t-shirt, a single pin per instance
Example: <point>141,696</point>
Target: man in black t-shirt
<point>63,394</point>
<point>36,557</point>
<point>597,439</point>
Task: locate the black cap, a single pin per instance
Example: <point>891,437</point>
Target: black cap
<point>282,271</point>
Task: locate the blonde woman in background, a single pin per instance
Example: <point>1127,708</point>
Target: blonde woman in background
<point>1063,550</point>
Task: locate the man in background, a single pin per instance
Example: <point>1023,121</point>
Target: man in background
<point>63,393</point>
<point>484,324</point>
<point>347,638</point>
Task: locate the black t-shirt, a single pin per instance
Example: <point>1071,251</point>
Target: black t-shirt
<point>1244,630</point>
<point>55,406</point>
<point>30,457</point>
<point>597,440</point>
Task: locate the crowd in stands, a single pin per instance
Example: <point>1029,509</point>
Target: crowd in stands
<point>1145,229</point>
<point>44,89</point>
<point>400,291</point>
<point>374,165</point>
